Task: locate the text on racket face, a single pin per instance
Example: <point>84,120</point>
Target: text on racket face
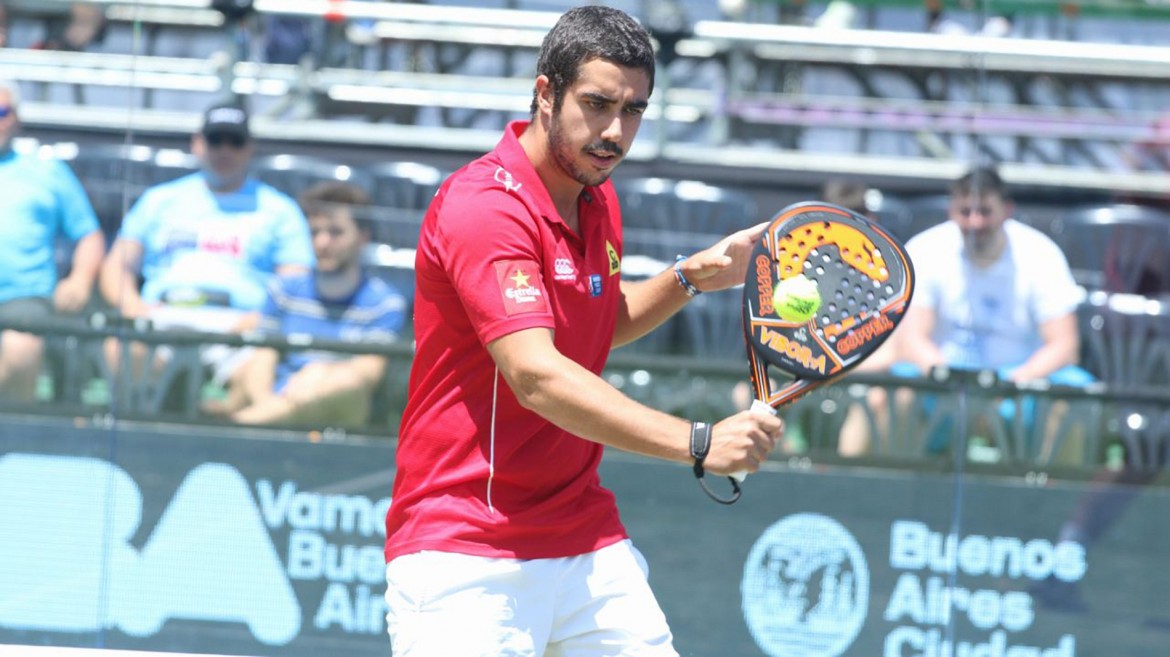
<point>764,283</point>
<point>780,343</point>
<point>878,325</point>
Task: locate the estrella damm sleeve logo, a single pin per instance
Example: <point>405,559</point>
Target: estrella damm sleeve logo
<point>521,287</point>
<point>615,262</point>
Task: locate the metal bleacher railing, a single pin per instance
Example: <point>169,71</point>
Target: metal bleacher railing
<point>1073,430</point>
<point>469,70</point>
<point>862,102</point>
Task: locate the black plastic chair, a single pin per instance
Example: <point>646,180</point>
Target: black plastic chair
<point>293,174</point>
<point>401,193</point>
<point>393,265</point>
<point>893,214</point>
<point>924,212</point>
<point>1125,340</point>
<point>409,185</point>
<point>1116,248</point>
<point>114,176</point>
<point>688,206</point>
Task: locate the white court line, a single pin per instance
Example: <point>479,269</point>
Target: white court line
<point>52,651</point>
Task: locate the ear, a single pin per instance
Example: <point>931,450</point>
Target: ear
<point>544,94</point>
<point>198,146</point>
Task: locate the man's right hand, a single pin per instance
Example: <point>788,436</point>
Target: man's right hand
<point>742,442</point>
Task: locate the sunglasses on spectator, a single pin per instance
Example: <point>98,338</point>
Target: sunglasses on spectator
<point>235,141</point>
<point>5,110</point>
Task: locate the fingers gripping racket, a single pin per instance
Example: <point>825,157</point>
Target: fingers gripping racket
<point>858,281</point>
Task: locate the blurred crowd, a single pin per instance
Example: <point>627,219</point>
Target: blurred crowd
<point>215,251</point>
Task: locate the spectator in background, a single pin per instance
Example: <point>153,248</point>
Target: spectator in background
<point>336,301</point>
<point>206,245</point>
<point>40,201</point>
<point>992,292</point>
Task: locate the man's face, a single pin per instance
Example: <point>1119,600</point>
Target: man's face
<point>8,121</point>
<point>981,218</point>
<point>225,157</point>
<point>598,118</point>
<point>337,241</point>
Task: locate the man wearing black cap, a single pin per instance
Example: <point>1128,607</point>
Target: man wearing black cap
<point>224,146</point>
<point>206,244</point>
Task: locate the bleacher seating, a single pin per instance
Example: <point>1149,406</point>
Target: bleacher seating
<point>293,174</point>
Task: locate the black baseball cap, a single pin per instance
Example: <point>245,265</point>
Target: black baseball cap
<point>229,120</point>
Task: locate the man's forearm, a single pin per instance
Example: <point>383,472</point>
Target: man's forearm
<point>87,258</point>
<point>646,305</point>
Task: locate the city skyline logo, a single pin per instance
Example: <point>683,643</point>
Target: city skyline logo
<point>805,588</point>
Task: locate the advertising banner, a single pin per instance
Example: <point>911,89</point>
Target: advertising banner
<point>209,540</point>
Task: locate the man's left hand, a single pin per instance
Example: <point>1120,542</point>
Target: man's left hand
<point>725,264</point>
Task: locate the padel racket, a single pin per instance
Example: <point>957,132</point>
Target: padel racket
<point>864,280</point>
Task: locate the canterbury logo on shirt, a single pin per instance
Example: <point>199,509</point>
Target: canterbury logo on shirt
<point>563,270</point>
<point>521,288</point>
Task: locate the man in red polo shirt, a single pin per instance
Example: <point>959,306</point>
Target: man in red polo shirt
<point>500,538</point>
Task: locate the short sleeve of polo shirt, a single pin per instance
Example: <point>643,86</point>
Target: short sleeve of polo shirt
<point>926,250</point>
<point>491,253</point>
<point>141,220</point>
<point>293,244</point>
<point>1056,292</point>
<point>77,215</point>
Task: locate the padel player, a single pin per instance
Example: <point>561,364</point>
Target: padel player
<point>500,537</point>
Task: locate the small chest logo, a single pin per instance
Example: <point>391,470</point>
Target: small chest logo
<point>563,270</point>
<point>505,179</point>
<point>615,262</point>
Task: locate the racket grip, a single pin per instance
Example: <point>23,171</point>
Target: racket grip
<point>757,407</point>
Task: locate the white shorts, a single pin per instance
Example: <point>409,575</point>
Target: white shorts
<point>454,605</point>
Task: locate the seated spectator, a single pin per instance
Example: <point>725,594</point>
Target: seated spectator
<point>992,293</point>
<point>40,201</point>
<point>205,245</point>
<point>337,301</point>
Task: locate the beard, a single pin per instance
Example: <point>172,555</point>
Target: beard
<point>984,245</point>
<point>566,157</point>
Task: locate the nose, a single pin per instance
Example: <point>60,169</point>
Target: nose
<point>613,131</point>
<point>976,219</point>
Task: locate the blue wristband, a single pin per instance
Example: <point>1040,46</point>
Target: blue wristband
<point>686,285</point>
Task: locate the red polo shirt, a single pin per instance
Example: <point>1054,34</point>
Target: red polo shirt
<point>477,473</point>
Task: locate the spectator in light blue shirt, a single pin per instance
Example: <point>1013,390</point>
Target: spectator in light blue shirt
<point>41,202</point>
<point>206,245</point>
<point>336,301</point>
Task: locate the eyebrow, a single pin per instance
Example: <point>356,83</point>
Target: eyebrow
<point>598,96</point>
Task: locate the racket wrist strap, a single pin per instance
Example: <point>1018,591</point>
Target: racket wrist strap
<point>686,285</point>
<point>700,446</point>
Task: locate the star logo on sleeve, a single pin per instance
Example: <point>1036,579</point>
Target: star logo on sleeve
<point>521,279</point>
<point>521,288</point>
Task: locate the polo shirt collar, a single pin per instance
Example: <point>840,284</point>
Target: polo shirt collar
<point>516,162</point>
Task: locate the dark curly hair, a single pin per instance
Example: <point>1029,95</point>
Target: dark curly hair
<point>586,33</point>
